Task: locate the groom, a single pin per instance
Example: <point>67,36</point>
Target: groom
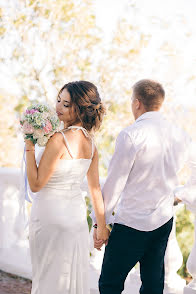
<point>141,178</point>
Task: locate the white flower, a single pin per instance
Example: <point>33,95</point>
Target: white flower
<point>45,115</point>
<point>38,134</point>
<point>42,141</point>
<point>38,121</point>
<point>53,118</point>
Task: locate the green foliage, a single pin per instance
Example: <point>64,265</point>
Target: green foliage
<point>185,237</point>
<point>89,209</point>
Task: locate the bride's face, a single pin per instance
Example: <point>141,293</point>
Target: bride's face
<point>64,109</point>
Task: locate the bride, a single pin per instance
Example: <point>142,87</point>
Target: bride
<point>58,229</point>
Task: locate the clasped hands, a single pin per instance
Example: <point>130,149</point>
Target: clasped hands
<point>100,237</point>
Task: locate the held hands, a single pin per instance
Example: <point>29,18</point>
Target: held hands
<point>100,236</point>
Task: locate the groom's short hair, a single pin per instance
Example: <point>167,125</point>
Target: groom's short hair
<point>150,93</point>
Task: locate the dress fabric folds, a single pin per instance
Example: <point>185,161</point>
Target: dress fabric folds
<point>58,232</point>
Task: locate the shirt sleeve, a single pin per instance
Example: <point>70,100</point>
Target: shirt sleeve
<point>119,168</point>
<point>118,172</point>
<point>187,192</point>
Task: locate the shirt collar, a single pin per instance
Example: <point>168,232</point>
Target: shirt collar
<point>150,115</point>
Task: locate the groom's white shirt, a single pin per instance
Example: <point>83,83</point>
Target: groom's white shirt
<point>142,173</point>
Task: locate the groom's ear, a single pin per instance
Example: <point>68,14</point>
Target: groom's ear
<point>137,103</point>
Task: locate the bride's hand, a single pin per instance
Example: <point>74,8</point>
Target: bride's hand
<point>103,234</point>
<point>29,143</point>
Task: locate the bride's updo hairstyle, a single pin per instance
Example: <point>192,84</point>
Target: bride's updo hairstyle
<point>86,104</point>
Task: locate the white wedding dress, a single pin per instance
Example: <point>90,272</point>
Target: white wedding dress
<point>58,231</point>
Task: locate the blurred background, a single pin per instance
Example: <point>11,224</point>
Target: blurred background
<point>112,43</point>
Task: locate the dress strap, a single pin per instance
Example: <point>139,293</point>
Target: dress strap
<point>85,132</point>
<point>77,128</point>
<point>67,144</point>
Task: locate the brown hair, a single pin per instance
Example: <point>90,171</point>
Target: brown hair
<point>150,93</point>
<point>86,103</point>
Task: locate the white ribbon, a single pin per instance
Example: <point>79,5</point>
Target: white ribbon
<point>25,193</point>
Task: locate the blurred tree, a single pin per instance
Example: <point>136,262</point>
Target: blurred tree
<point>46,43</point>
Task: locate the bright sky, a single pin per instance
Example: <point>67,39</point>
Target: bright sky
<point>169,21</point>
<point>108,12</point>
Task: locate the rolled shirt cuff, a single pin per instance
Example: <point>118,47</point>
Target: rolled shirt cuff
<point>187,195</point>
<point>109,220</point>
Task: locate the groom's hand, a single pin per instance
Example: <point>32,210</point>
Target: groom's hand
<point>176,201</point>
<point>97,243</point>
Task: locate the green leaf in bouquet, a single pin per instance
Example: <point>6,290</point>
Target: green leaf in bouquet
<point>37,127</point>
<point>28,136</point>
<point>43,108</point>
<point>34,141</point>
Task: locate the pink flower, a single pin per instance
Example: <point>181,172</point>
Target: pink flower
<point>31,111</point>
<point>27,128</point>
<point>34,110</point>
<point>48,127</point>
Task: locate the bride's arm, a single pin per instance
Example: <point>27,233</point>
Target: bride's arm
<point>39,176</point>
<point>96,196</point>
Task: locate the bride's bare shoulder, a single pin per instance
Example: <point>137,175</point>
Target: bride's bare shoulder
<point>56,138</point>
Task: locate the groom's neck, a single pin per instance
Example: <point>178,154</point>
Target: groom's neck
<point>137,115</point>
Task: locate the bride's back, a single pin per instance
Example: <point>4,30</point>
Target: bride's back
<point>73,166</point>
<point>77,143</point>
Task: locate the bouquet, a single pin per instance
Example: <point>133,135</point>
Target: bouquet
<point>39,122</point>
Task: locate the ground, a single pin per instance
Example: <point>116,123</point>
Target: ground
<point>11,284</point>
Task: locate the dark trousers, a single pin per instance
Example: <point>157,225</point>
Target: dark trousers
<point>127,246</point>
